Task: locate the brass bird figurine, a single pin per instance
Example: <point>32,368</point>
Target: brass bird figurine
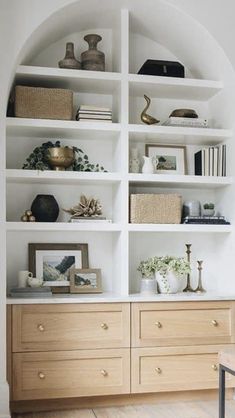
<point>149,120</point>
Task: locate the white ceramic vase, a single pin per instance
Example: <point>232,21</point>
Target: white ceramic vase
<point>168,284</point>
<point>134,161</point>
<point>148,167</point>
<point>148,286</point>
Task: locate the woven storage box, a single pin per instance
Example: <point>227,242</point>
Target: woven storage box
<point>155,208</point>
<point>43,103</point>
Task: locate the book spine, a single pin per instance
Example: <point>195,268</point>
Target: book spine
<point>198,163</point>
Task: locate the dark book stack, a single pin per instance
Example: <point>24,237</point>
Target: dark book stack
<point>30,292</point>
<point>208,220</point>
<point>211,161</point>
<point>94,114</point>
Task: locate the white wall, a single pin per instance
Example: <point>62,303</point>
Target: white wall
<point>20,18</point>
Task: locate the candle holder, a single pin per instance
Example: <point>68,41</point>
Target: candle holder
<point>188,287</point>
<point>199,288</point>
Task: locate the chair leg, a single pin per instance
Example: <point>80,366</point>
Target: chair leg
<point>221,392</point>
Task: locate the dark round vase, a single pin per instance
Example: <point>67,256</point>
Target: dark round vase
<point>45,208</point>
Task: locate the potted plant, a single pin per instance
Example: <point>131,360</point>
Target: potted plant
<point>168,271</point>
<point>208,209</point>
<point>148,285</point>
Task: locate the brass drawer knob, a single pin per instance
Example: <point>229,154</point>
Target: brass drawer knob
<point>158,370</point>
<point>41,328</point>
<point>214,367</point>
<point>41,375</point>
<point>104,373</point>
<point>214,322</point>
<point>104,326</point>
<point>158,324</point>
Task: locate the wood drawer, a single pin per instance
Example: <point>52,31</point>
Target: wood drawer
<point>70,327</point>
<point>170,324</point>
<point>175,369</point>
<point>71,374</point>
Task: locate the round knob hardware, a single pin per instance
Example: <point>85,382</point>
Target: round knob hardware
<point>104,326</point>
<point>41,328</point>
<point>158,324</point>
<point>158,370</point>
<point>41,375</point>
<point>214,367</point>
<point>214,322</point>
<point>104,373</point>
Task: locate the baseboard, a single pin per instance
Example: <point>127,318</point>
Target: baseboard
<point>117,400</point>
<point>4,400</point>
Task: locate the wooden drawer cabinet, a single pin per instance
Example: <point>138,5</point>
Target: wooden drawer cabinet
<point>164,324</point>
<point>172,369</point>
<point>70,327</point>
<point>70,374</point>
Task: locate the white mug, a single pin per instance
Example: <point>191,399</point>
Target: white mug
<point>23,276</point>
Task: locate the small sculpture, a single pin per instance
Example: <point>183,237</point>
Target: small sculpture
<point>188,287</point>
<point>149,120</point>
<point>86,208</point>
<point>69,60</point>
<point>199,288</point>
<point>28,216</point>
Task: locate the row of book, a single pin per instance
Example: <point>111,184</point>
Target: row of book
<point>31,292</point>
<point>189,122</point>
<point>93,113</point>
<point>205,220</point>
<point>211,161</point>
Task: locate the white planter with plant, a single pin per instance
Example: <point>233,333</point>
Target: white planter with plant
<point>169,271</point>
<point>208,209</point>
<point>148,284</point>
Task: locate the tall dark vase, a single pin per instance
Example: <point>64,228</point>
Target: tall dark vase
<point>45,208</point>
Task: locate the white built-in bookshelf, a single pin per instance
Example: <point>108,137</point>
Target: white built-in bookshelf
<point>117,247</point>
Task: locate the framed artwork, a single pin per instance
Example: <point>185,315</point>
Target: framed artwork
<point>167,159</point>
<point>85,281</point>
<point>54,262</point>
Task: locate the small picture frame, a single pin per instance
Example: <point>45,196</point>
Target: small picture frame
<point>85,281</point>
<point>167,159</point>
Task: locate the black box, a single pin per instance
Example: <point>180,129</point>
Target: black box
<point>162,68</point>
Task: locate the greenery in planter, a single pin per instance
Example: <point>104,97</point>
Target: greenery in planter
<point>37,160</point>
<point>163,265</point>
<point>209,206</point>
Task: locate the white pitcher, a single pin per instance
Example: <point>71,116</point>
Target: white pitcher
<point>148,166</point>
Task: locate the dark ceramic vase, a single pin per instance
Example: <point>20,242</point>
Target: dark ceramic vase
<point>45,208</point>
<point>93,60</point>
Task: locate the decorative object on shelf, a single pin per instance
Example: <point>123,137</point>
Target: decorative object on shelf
<point>188,287</point>
<point>191,208</point>
<point>155,208</point>
<point>23,276</point>
<point>60,158</point>
<point>208,209</point>
<point>134,165</point>
<point>28,216</point>
<point>184,113</point>
<point>43,103</point>
<point>87,113</point>
<point>45,208</point>
<point>53,263</point>
<point>199,288</point>
<point>88,207</point>
<point>169,159</point>
<point>85,281</point>
<point>148,166</point>
<point>211,161</point>
<point>38,159</point>
<point>93,59</point>
<point>149,120</point>
<point>148,284</point>
<point>35,281</point>
<point>169,271</point>
<point>69,61</point>
<point>162,68</point>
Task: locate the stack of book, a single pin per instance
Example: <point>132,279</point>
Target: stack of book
<point>211,161</point>
<point>209,220</point>
<point>84,219</point>
<point>93,113</point>
<point>189,122</point>
<point>30,292</point>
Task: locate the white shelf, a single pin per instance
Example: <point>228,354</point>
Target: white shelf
<point>173,87</point>
<point>76,80</point>
<point>179,181</point>
<point>62,226</point>
<point>179,228</point>
<point>65,129</point>
<point>61,177</point>
<point>178,135</point>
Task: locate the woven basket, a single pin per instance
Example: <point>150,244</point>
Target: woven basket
<point>43,103</point>
<point>155,208</point>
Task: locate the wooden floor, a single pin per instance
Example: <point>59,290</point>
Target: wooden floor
<point>205,409</point>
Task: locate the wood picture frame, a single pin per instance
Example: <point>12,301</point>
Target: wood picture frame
<point>175,163</point>
<point>85,281</point>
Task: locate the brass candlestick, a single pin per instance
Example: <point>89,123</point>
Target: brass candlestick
<point>188,287</point>
<point>199,288</point>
